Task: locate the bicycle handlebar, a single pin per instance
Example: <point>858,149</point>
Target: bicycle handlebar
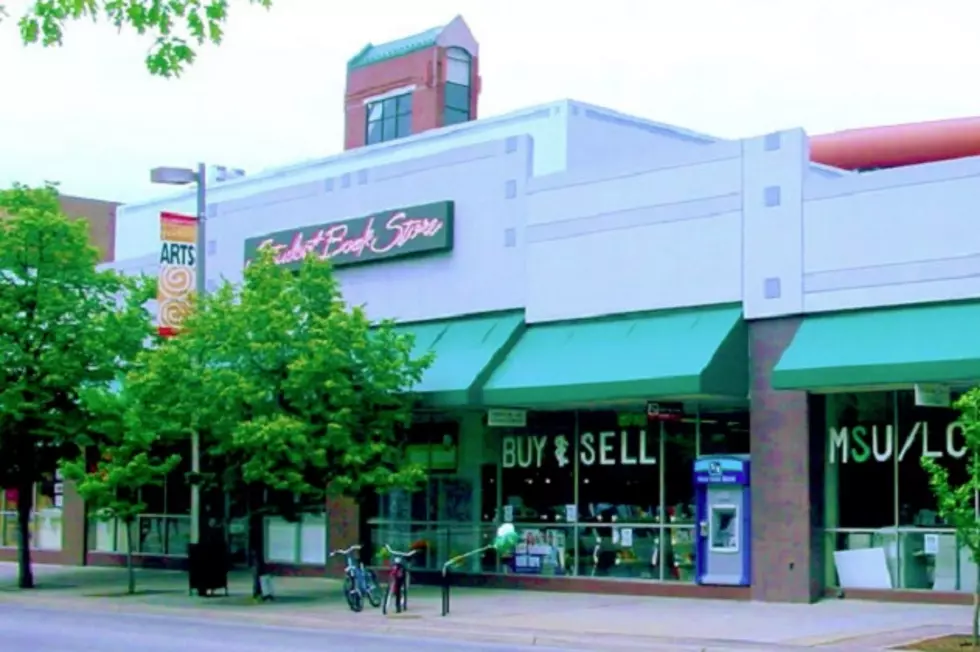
<point>398,553</point>
<point>346,551</point>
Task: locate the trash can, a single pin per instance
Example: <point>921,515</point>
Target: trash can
<point>207,566</point>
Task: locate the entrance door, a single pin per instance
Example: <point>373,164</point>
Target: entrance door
<point>723,538</point>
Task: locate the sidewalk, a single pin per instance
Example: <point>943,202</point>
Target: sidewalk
<point>518,617</point>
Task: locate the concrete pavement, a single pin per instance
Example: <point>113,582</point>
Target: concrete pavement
<point>50,630</point>
<point>515,617</point>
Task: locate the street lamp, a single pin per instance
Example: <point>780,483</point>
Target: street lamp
<point>175,176</point>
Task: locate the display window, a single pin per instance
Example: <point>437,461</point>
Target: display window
<point>46,527</point>
<point>442,518</point>
<point>163,529</point>
<point>599,493</point>
<point>882,524</point>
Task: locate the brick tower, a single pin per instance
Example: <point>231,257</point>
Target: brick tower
<point>411,85</point>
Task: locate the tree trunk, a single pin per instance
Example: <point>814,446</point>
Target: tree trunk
<point>976,620</point>
<point>130,570</point>
<point>256,545</point>
<point>975,638</point>
<point>25,506</point>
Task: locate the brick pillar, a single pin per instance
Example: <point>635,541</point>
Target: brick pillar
<point>427,108</point>
<point>73,527</point>
<point>786,477</point>
<point>355,125</point>
<point>342,529</point>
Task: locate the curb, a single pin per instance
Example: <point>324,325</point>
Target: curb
<point>880,639</point>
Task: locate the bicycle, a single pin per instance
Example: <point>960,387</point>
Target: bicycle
<point>398,581</point>
<point>359,582</point>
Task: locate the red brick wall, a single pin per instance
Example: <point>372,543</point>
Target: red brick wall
<point>787,476</point>
<point>355,124</point>
<point>427,106</point>
<point>476,88</point>
<point>426,69</point>
<point>418,68</point>
<point>342,528</point>
<point>101,217</point>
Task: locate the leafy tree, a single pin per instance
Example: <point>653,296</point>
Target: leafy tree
<point>294,394</point>
<point>959,504</point>
<point>63,326</point>
<point>176,26</point>
<point>128,460</point>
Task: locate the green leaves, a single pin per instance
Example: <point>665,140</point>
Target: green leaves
<point>957,504</point>
<point>292,391</point>
<point>67,330</point>
<point>121,455</point>
<point>175,25</point>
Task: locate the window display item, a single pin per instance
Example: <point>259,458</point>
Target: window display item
<point>626,537</point>
<point>866,568</point>
<point>571,513</point>
<point>506,540</point>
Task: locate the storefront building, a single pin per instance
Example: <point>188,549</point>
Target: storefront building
<point>571,267</point>
<point>787,310</point>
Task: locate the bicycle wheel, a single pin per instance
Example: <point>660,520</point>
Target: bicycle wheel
<point>352,594</point>
<point>404,601</point>
<point>372,589</point>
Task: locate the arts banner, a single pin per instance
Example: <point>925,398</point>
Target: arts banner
<point>176,280</point>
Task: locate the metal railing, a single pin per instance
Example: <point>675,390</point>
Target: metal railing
<point>639,551</point>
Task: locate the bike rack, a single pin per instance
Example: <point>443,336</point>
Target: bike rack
<point>445,589</point>
<point>445,573</point>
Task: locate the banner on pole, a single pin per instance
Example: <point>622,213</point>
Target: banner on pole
<point>178,267</point>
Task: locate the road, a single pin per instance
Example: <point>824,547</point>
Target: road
<point>50,630</point>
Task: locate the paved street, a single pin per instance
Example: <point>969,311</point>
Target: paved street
<point>313,610</point>
<point>51,630</point>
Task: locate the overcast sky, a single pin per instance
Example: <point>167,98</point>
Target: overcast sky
<point>90,116</point>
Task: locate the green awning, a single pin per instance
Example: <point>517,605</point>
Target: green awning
<point>702,351</point>
<point>889,346</point>
<point>466,349</point>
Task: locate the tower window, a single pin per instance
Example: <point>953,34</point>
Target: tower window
<point>389,118</point>
<point>458,81</point>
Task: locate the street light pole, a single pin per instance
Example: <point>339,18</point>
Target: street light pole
<point>201,278</point>
<point>183,177</point>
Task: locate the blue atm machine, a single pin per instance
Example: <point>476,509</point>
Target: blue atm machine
<point>723,515</point>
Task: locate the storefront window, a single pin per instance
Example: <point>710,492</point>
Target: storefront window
<point>537,479</point>
<point>440,519</point>
<point>599,493</point>
<point>163,529</point>
<point>883,528</point>
<point>681,444</point>
<point>724,432</point>
<point>619,495</point>
<point>925,432</point>
<point>536,470</point>
<point>861,454</point>
<point>300,542</point>
<point>46,521</point>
